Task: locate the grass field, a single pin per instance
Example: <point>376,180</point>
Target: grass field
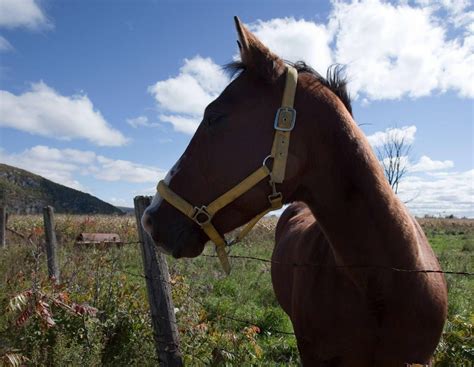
<point>98,314</point>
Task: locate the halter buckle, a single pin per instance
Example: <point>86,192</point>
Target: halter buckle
<point>276,200</point>
<point>285,119</point>
<point>201,216</point>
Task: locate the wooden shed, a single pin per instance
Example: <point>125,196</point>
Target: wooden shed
<point>98,239</point>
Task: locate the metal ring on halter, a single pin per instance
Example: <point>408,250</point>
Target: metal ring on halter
<point>201,211</point>
<point>265,160</point>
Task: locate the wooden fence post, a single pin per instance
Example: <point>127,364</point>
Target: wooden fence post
<point>51,244</point>
<point>3,219</point>
<point>3,225</point>
<point>159,294</point>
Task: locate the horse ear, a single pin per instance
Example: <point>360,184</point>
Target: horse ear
<point>256,56</point>
<point>242,42</point>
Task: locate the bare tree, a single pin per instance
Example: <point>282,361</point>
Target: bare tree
<point>393,154</point>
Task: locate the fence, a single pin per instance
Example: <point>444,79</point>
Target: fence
<point>156,273</point>
<point>156,277</point>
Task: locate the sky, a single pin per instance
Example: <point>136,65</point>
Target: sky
<point>104,96</point>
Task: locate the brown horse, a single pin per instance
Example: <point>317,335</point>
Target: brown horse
<point>341,246</point>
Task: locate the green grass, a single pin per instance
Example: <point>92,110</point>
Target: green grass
<point>228,321</point>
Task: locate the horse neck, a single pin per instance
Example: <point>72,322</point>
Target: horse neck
<point>347,192</point>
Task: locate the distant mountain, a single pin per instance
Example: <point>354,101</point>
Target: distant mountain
<point>27,193</point>
<point>127,210</point>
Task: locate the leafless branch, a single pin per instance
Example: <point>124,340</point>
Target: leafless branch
<point>393,154</point>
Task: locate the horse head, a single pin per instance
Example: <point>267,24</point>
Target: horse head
<point>232,141</point>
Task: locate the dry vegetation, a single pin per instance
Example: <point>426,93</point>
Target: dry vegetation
<point>98,314</point>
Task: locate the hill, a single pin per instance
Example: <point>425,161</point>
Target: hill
<point>127,210</point>
<point>27,193</point>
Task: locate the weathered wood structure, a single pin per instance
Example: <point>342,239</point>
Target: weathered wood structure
<point>51,242</point>
<point>94,239</point>
<point>159,294</point>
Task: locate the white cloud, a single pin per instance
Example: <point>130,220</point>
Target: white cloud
<point>458,12</point>
<point>441,194</point>
<point>43,111</point>
<point>207,74</point>
<point>400,50</point>
<point>405,133</point>
<point>120,202</point>
<point>138,121</point>
<point>391,51</point>
<point>187,125</point>
<point>145,191</point>
<point>427,187</point>
<point>49,163</point>
<point>5,45</point>
<point>141,121</point>
<point>403,161</point>
<point>121,170</point>
<point>182,99</point>
<point>22,13</point>
<point>296,40</point>
<point>426,164</point>
<point>65,165</point>
<point>182,94</point>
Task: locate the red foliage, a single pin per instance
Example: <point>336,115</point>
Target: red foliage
<point>43,311</point>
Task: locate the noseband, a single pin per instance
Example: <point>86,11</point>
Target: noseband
<point>284,123</point>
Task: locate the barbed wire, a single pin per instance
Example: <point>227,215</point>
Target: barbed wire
<point>381,267</point>
<point>189,295</point>
<point>249,323</point>
<point>192,297</point>
<point>244,257</point>
<point>319,265</point>
<point>294,264</point>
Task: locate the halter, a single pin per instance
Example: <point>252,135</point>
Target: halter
<point>284,123</point>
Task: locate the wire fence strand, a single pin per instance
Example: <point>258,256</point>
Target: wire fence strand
<point>319,265</point>
<point>381,267</point>
<point>270,261</point>
<point>222,315</point>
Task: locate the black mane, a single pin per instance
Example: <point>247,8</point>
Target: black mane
<point>335,79</point>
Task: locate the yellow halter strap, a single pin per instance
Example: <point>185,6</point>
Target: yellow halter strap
<point>284,123</point>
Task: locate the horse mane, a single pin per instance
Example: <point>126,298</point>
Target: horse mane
<point>335,79</point>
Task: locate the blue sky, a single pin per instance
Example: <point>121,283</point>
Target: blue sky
<point>104,96</point>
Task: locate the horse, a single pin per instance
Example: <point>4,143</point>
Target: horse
<point>348,261</point>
